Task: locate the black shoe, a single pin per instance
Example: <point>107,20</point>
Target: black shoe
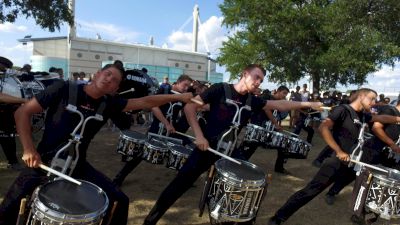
<point>357,220</point>
<point>274,221</point>
<point>329,199</point>
<point>283,171</point>
<point>317,163</point>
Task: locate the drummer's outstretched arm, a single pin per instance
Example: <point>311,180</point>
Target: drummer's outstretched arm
<point>5,98</point>
<point>190,112</point>
<point>378,129</point>
<point>149,102</point>
<point>23,117</point>
<point>325,130</point>
<point>284,105</point>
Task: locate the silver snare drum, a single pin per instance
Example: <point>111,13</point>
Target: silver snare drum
<point>131,143</point>
<point>236,191</point>
<point>154,151</point>
<point>62,202</point>
<point>178,154</point>
<point>255,133</point>
<point>383,195</point>
<point>278,140</point>
<point>296,148</point>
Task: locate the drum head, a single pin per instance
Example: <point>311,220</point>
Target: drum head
<point>157,144</point>
<point>179,149</point>
<point>130,134</point>
<point>69,198</point>
<point>246,172</point>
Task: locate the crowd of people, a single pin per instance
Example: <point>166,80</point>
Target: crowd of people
<point>214,113</point>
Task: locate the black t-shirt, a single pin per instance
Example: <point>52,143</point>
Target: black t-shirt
<point>60,123</point>
<point>345,131</point>
<point>221,114</point>
<point>391,130</point>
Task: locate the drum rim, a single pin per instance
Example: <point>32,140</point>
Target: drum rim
<point>256,126</point>
<point>188,152</point>
<point>124,135</point>
<point>147,144</point>
<point>58,216</point>
<point>240,182</point>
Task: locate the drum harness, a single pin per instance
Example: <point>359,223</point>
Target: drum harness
<point>168,116</point>
<point>228,140</point>
<point>68,165</point>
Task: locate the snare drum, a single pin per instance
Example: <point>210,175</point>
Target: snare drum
<point>279,140</point>
<point>178,155</point>
<point>154,151</point>
<point>384,195</point>
<point>12,85</point>
<point>236,191</point>
<point>131,143</point>
<point>255,133</point>
<point>63,202</point>
<point>296,148</point>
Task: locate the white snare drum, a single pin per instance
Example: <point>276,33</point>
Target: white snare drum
<point>154,151</point>
<point>178,155</point>
<point>62,202</point>
<point>236,191</point>
<point>384,195</point>
<point>279,140</point>
<point>14,86</point>
<point>296,148</point>
<point>255,133</point>
<point>21,88</point>
<point>131,143</point>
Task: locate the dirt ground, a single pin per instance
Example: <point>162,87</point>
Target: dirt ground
<point>146,182</point>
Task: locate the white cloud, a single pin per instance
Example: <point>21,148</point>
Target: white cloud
<point>12,28</point>
<point>18,54</point>
<point>211,29</point>
<point>107,31</point>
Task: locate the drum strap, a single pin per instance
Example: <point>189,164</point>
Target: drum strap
<point>73,95</point>
<point>353,113</point>
<point>228,94</point>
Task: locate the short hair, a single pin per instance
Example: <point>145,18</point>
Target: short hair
<point>119,63</point>
<point>184,77</point>
<point>144,70</point>
<point>361,91</point>
<point>116,66</point>
<point>52,69</point>
<point>251,67</point>
<point>282,88</point>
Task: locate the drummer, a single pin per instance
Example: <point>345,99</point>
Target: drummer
<point>385,135</point>
<point>60,124</point>
<point>340,132</point>
<point>247,148</point>
<point>219,120</point>
<point>160,113</point>
<point>8,105</point>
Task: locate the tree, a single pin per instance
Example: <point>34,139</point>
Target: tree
<point>332,41</point>
<point>48,14</point>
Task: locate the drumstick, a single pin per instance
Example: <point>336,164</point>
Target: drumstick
<point>55,172</point>
<point>326,107</point>
<point>212,150</point>
<point>290,133</point>
<point>368,165</point>
<point>21,211</point>
<point>192,99</point>
<point>129,90</point>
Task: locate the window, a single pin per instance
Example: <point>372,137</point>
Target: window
<point>187,65</point>
<point>97,57</point>
<point>176,64</point>
<point>110,58</point>
<point>79,55</point>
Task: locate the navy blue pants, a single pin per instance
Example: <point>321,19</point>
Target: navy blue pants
<point>29,179</point>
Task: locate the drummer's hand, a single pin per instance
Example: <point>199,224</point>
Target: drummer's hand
<point>170,128</point>
<point>185,97</point>
<point>395,148</point>
<point>343,156</point>
<point>316,106</point>
<point>278,128</point>
<point>31,158</point>
<point>202,143</point>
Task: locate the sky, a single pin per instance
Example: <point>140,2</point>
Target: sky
<point>168,22</point>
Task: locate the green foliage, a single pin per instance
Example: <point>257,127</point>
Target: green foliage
<point>48,14</point>
<point>333,41</point>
